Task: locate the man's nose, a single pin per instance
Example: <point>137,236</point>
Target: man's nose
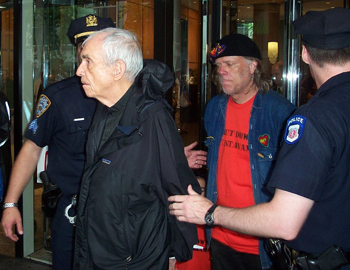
<point>80,71</point>
<point>221,70</point>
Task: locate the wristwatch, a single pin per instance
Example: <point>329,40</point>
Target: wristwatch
<point>209,216</point>
<point>8,205</point>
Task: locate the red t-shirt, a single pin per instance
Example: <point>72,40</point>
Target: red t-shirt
<point>234,176</point>
<point>201,255</point>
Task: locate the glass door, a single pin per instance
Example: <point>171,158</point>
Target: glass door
<point>7,87</point>
<point>269,24</point>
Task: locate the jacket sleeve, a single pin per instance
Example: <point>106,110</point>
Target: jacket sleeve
<point>176,176</point>
<point>283,112</point>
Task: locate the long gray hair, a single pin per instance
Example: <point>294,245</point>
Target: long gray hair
<point>259,77</point>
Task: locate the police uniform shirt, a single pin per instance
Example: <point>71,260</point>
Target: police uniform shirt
<point>314,162</point>
<point>63,117</point>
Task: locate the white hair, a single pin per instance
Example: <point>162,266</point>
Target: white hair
<point>121,44</point>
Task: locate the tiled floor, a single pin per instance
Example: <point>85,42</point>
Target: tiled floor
<point>10,263</point>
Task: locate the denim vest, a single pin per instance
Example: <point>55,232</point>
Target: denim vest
<point>266,127</point>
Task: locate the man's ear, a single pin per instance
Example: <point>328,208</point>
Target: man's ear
<point>119,69</point>
<point>252,66</point>
<point>305,55</point>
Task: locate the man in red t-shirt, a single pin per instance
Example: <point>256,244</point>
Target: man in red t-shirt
<point>244,125</point>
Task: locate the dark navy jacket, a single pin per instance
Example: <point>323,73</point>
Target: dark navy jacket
<point>62,120</point>
<point>123,216</point>
<point>314,162</point>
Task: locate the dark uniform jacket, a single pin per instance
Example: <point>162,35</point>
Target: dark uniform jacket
<point>63,118</point>
<point>314,163</point>
<point>123,218</point>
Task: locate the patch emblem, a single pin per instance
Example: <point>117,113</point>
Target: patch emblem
<point>43,104</point>
<point>33,126</point>
<point>215,52</point>
<point>106,161</point>
<point>294,129</point>
<point>264,140</point>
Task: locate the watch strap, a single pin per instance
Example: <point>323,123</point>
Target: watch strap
<point>8,205</point>
<point>211,209</point>
<point>209,216</point>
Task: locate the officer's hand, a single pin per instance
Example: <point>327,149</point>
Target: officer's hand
<point>189,208</point>
<point>11,216</point>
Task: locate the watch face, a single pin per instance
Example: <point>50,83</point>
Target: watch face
<point>209,220</point>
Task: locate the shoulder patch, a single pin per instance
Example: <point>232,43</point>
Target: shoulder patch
<point>294,129</point>
<point>33,126</point>
<point>43,104</point>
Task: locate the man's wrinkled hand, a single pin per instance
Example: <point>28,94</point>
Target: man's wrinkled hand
<point>196,158</point>
<point>10,217</point>
<point>189,208</point>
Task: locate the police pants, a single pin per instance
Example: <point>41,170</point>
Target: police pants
<point>62,237</point>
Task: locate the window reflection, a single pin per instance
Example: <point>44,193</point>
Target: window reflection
<point>263,21</point>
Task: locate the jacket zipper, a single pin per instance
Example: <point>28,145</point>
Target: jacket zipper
<point>127,233</point>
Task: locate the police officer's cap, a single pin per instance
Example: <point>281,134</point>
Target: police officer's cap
<point>83,27</point>
<point>327,30</point>
<point>235,45</point>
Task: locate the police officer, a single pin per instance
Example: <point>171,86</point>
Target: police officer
<point>311,205</point>
<point>63,117</point>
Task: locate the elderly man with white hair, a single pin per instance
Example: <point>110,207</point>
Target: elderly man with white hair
<point>135,160</point>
